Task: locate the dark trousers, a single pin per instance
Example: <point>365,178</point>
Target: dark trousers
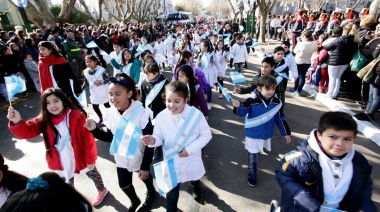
<point>97,110</point>
<point>173,195</point>
<point>300,82</point>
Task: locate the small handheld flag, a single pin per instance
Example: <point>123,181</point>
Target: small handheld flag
<point>237,77</point>
<point>166,175</point>
<point>92,44</point>
<point>254,44</point>
<point>82,99</point>
<point>15,84</point>
<point>225,92</point>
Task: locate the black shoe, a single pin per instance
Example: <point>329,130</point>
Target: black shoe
<point>363,116</point>
<point>251,181</point>
<point>273,206</point>
<point>134,206</point>
<point>150,196</point>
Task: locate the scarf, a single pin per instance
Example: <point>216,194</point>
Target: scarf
<point>44,72</point>
<point>56,120</point>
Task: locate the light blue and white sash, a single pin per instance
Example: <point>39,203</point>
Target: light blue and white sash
<point>154,92</point>
<point>187,129</point>
<point>225,92</point>
<point>166,175</point>
<point>205,60</point>
<point>94,78</point>
<point>197,48</point>
<point>281,68</point>
<point>237,77</point>
<point>65,139</point>
<point>127,135</point>
<point>262,119</point>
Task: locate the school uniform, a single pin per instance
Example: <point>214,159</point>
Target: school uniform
<point>165,130</point>
<point>117,58</point>
<point>310,179</point>
<point>156,104</point>
<point>99,94</point>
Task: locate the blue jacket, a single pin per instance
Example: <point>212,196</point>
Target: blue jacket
<point>301,181</point>
<point>254,107</point>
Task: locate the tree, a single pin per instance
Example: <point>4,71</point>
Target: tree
<point>76,16</point>
<point>235,11</point>
<point>264,6</point>
<point>180,7</point>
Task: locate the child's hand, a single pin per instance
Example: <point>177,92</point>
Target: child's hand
<point>148,140</point>
<point>98,83</point>
<point>237,90</point>
<point>183,153</point>
<point>90,125</point>
<point>13,115</point>
<point>288,139</point>
<point>235,103</point>
<point>143,175</point>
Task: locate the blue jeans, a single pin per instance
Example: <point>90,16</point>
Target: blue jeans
<point>318,77</point>
<point>373,100</point>
<point>208,92</point>
<point>300,82</point>
<point>252,164</point>
<point>3,90</point>
<point>238,67</point>
<point>172,199</point>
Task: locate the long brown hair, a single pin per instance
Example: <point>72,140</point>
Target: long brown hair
<point>50,46</point>
<point>45,116</point>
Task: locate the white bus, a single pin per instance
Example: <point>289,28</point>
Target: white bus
<point>179,17</point>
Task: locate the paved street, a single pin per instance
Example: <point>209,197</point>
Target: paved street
<point>225,185</point>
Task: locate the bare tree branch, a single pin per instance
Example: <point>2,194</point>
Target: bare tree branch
<point>67,7</point>
<point>357,3</point>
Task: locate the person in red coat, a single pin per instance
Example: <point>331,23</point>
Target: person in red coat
<point>70,148</point>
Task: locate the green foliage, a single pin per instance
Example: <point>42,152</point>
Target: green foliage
<point>76,16</point>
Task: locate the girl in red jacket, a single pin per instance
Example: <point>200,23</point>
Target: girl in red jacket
<point>70,148</point>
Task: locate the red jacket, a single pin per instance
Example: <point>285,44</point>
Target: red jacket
<point>82,140</point>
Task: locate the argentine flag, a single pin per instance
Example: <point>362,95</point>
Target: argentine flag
<point>237,77</point>
<point>254,44</point>
<point>91,45</point>
<point>224,91</point>
<point>15,84</point>
<point>166,175</point>
<point>82,99</point>
<point>126,139</point>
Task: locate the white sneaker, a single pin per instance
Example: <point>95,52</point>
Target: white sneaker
<point>208,105</point>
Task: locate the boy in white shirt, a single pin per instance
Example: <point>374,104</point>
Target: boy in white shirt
<point>239,52</point>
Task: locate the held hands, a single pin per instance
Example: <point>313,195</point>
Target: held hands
<point>90,124</point>
<point>235,103</point>
<point>13,115</point>
<point>183,153</point>
<point>288,139</point>
<point>148,140</point>
<point>143,175</point>
<point>237,90</point>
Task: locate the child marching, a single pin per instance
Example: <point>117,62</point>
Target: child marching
<point>70,148</point>
<point>183,131</point>
<point>221,56</point>
<point>261,112</point>
<point>209,66</point>
<point>98,77</point>
<point>125,122</point>
<point>239,52</point>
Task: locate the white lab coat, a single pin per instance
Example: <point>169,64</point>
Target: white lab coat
<point>165,129</point>
<point>111,119</point>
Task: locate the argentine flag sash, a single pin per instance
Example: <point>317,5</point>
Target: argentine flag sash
<point>187,129</point>
<point>96,76</point>
<point>127,135</point>
<point>206,59</point>
<point>154,92</point>
<point>166,175</point>
<point>262,119</point>
<point>64,139</point>
<point>281,74</point>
